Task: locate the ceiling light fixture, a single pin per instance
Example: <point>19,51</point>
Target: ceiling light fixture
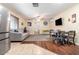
<point>35,4</point>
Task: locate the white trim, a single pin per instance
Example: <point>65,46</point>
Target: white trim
<point>77,43</point>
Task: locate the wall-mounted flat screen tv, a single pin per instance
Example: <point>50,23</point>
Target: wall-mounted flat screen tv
<point>58,22</point>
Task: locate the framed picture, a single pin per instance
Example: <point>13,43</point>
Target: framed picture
<point>73,18</point>
<point>29,23</point>
<point>45,23</point>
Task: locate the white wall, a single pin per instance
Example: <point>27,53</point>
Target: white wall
<point>68,25</point>
<point>37,25</point>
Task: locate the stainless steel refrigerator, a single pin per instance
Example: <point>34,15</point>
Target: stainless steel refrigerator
<point>4,31</point>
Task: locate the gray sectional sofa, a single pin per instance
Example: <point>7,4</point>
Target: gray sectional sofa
<point>18,36</point>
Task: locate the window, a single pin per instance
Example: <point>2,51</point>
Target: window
<point>14,22</point>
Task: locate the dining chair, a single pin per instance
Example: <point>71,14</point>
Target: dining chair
<point>71,37</point>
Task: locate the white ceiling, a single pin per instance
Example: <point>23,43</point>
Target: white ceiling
<point>27,9</point>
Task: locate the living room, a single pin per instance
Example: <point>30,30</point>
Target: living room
<point>38,26</point>
<point>32,25</point>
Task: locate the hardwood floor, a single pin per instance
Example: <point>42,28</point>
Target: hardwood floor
<point>61,50</point>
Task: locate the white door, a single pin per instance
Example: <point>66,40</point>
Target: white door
<point>37,26</point>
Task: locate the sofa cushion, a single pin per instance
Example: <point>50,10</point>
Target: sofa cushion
<point>18,36</point>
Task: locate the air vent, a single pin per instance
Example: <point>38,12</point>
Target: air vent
<point>35,4</point>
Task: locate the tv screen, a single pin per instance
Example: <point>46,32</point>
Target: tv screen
<point>58,22</point>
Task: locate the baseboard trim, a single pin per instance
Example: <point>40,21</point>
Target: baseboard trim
<point>77,43</point>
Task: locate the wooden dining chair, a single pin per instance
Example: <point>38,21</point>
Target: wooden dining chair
<point>71,37</point>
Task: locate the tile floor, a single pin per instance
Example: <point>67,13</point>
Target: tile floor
<point>27,49</point>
